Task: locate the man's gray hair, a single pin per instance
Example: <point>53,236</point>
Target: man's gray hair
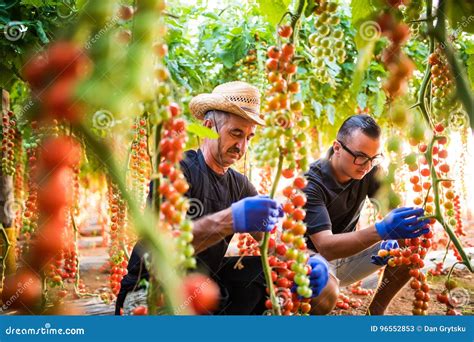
<point>218,117</point>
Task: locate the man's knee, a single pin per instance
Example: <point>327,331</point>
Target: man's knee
<point>326,301</point>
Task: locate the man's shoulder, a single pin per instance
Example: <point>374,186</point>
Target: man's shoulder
<point>190,159</point>
<point>316,171</point>
<point>316,179</point>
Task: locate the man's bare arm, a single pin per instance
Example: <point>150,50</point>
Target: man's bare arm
<point>211,229</point>
<point>335,246</point>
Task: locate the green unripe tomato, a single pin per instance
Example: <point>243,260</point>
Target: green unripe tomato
<point>324,30</point>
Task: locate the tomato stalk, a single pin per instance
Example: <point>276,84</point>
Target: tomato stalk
<point>160,250</point>
<point>463,88</point>
<point>154,288</point>
<point>451,271</point>
<point>440,33</point>
<point>264,248</point>
<point>78,293</point>
<point>438,215</point>
<point>76,278</point>
<point>6,248</point>
<point>295,18</point>
<point>446,251</point>
<point>426,78</point>
<point>156,199</point>
<point>427,217</point>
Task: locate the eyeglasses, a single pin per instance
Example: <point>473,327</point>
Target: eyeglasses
<point>360,159</point>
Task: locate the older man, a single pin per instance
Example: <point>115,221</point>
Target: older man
<point>229,201</point>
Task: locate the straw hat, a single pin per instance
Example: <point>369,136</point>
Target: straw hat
<point>237,98</point>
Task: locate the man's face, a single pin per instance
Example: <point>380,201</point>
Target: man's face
<point>235,134</point>
<point>361,145</point>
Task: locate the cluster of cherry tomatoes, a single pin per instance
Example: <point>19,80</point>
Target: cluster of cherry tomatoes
<point>248,69</point>
<point>63,268</point>
<point>442,88</point>
<point>19,184</point>
<point>283,116</point>
<point>344,302</point>
<point>446,298</point>
<point>285,275</point>
<point>53,76</point>
<point>140,163</point>
<point>247,245</point>
<point>53,175</point>
<point>438,270</point>
<point>413,10</point>
<point>9,133</point>
<point>173,185</point>
<point>327,43</point>
<point>400,66</point>
<point>55,195</point>
<point>118,238</point>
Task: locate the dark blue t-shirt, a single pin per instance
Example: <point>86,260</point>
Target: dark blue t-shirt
<point>334,206</point>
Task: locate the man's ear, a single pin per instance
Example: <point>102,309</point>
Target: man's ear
<point>208,123</point>
<point>336,147</point>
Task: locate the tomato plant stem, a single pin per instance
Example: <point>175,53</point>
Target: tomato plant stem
<point>6,248</point>
<point>156,198</point>
<point>264,248</point>
<point>295,18</point>
<point>462,85</point>
<point>451,271</point>
<point>77,276</point>
<point>438,213</point>
<point>446,251</point>
<point>426,77</point>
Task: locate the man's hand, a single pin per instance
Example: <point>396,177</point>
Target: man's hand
<point>385,245</point>
<point>402,223</point>
<point>255,214</point>
<point>319,276</point>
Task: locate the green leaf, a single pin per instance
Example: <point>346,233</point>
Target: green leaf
<point>363,62</point>
<point>201,131</point>
<point>273,10</point>
<point>236,31</point>
<point>40,31</point>
<point>331,113</point>
<point>310,6</point>
<point>34,3</point>
<point>317,107</point>
<point>461,15</point>
<point>377,103</point>
<point>235,50</point>
<point>367,30</point>
<point>362,100</point>
<point>211,15</point>
<point>470,69</point>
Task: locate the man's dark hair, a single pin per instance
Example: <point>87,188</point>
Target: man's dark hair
<point>362,122</point>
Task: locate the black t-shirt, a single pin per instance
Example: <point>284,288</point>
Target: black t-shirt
<point>334,206</point>
<point>215,192</point>
<point>209,193</point>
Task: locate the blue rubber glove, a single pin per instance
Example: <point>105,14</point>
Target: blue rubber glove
<point>255,214</point>
<point>402,223</point>
<point>387,245</point>
<point>319,276</point>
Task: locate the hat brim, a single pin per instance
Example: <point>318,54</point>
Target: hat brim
<point>203,103</point>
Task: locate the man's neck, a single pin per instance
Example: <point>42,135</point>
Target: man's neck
<point>340,177</point>
<point>212,162</point>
